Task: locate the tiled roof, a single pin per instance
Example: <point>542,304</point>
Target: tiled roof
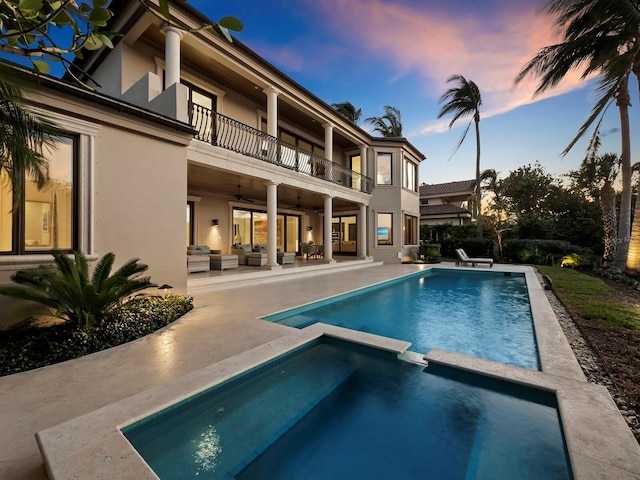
<point>446,209</point>
<point>447,188</point>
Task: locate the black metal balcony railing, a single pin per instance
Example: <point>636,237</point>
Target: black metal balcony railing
<point>230,134</point>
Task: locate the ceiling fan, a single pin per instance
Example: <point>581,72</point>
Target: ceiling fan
<point>241,197</point>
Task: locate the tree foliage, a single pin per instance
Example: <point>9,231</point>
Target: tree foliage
<point>599,37</point>
<point>24,135</point>
<point>348,111</point>
<point>529,203</point>
<point>58,30</point>
<point>388,125</point>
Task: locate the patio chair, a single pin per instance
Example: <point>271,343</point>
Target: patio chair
<point>464,259</point>
<point>309,250</point>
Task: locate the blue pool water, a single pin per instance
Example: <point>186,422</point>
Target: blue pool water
<point>482,314</point>
<point>344,412</point>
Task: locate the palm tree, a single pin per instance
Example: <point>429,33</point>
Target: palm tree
<point>23,136</point>
<point>388,125</point>
<point>68,292</point>
<point>599,37</point>
<point>348,111</point>
<point>599,172</point>
<point>464,100</point>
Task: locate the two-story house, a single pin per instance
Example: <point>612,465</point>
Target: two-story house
<point>192,140</point>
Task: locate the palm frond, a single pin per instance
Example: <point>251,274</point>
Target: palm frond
<point>388,125</point>
<point>24,135</point>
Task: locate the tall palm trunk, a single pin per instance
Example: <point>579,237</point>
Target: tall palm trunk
<point>477,208</point>
<point>623,102</point>
<point>608,206</point>
<point>632,265</point>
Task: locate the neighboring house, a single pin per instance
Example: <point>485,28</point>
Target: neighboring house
<point>446,203</point>
<point>192,140</point>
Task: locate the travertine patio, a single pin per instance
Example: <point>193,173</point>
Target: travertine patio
<point>225,323</point>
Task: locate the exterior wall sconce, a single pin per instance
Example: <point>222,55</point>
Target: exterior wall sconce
<point>310,228</point>
<point>214,222</point>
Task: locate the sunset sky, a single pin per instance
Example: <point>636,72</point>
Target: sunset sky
<point>383,52</point>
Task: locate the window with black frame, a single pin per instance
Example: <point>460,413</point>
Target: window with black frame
<point>202,112</point>
<point>43,219</point>
<point>410,230</point>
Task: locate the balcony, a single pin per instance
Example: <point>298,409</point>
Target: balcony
<point>230,134</point>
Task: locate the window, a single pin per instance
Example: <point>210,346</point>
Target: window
<point>410,177</point>
<point>385,229</point>
<point>299,157</point>
<point>410,230</point>
<point>202,108</point>
<point>355,163</point>
<point>45,219</point>
<point>383,169</point>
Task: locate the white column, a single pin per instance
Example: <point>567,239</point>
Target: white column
<point>173,36</point>
<point>328,141</point>
<point>272,224</point>
<point>272,111</point>
<point>362,238</point>
<point>363,164</point>
<point>328,149</point>
<point>328,216</point>
<point>363,159</point>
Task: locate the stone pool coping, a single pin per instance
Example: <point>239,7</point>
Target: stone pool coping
<point>599,443</point>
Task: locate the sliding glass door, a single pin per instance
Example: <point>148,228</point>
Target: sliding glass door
<point>344,235</point>
<point>250,228</point>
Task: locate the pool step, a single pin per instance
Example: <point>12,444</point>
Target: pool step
<point>300,413</point>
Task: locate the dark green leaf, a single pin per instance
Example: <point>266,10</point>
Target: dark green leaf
<point>231,23</point>
<point>30,4</point>
<point>41,66</point>
<point>100,16</point>
<point>164,9</point>
<point>62,19</point>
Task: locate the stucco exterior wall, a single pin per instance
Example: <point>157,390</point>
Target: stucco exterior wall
<point>133,185</point>
<point>140,197</point>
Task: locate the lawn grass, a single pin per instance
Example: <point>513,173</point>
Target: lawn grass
<point>591,298</point>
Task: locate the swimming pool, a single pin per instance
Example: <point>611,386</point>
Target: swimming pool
<point>482,314</point>
<point>334,410</point>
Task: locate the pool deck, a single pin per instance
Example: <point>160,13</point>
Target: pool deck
<point>222,336</point>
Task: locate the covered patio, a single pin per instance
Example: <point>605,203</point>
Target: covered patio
<point>213,280</point>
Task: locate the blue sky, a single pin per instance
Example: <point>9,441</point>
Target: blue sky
<point>400,52</point>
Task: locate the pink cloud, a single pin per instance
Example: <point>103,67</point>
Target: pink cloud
<point>286,57</point>
<point>489,49</point>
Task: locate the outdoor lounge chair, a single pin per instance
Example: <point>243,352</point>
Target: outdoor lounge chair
<point>309,250</point>
<point>464,259</point>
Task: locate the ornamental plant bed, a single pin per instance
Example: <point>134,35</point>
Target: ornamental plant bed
<point>32,346</point>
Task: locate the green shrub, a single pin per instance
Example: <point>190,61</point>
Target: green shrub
<point>32,347</point>
<point>537,251</point>
<point>429,251</point>
<point>574,260</point>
